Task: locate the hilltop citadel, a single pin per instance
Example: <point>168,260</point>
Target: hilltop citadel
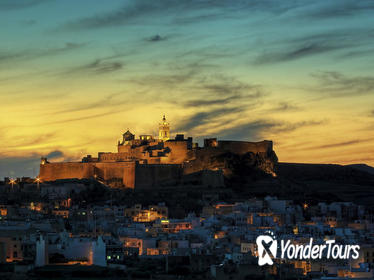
<point>149,162</point>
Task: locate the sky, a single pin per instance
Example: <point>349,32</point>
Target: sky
<point>75,75</point>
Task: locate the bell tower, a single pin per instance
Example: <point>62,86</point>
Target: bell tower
<point>164,130</point>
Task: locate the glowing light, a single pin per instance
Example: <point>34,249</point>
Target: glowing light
<point>12,182</point>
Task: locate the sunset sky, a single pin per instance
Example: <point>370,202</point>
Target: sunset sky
<point>74,75</point>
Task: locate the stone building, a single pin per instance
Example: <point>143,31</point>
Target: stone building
<point>164,130</point>
<point>148,162</point>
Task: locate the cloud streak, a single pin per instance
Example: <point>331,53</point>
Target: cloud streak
<point>6,5</point>
<point>197,10</point>
<point>111,101</point>
<point>201,118</point>
<point>345,8</point>
<point>156,38</point>
<point>7,56</point>
<point>341,144</point>
<point>304,51</point>
<point>87,117</point>
<point>256,129</point>
<point>97,67</point>
<point>335,84</point>
<point>29,142</point>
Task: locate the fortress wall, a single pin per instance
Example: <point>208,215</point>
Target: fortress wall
<point>108,157</point>
<point>128,178</point>
<point>112,170</point>
<point>80,170</point>
<point>124,148</point>
<point>128,151</point>
<point>118,170</point>
<point>210,157</point>
<point>148,176</point>
<point>202,160</point>
<point>157,160</point>
<point>113,157</point>
<point>179,151</point>
<point>242,147</point>
<point>65,170</point>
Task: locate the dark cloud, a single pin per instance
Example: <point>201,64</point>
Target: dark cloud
<point>232,86</point>
<point>210,102</point>
<point>288,127</point>
<point>110,101</point>
<point>144,9</point>
<point>196,19</point>
<point>347,37</point>
<point>344,42</point>
<point>168,80</point>
<point>345,8</point>
<point>335,84</point>
<point>356,53</point>
<point>100,66</point>
<point>7,56</point>
<point>6,5</point>
<point>117,17</point>
<point>87,117</point>
<point>103,65</point>
<point>156,38</point>
<point>341,144</point>
<point>239,95</point>
<point>252,130</point>
<point>255,130</point>
<point>31,141</point>
<point>210,52</point>
<point>193,75</point>
<point>285,106</point>
<point>306,50</point>
<point>55,154</point>
<point>201,118</point>
<point>220,96</point>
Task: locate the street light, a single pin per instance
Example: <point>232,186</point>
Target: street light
<point>12,182</point>
<point>37,180</point>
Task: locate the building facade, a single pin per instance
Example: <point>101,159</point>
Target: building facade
<point>147,162</point>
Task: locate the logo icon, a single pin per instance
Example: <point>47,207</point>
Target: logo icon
<point>267,249</point>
